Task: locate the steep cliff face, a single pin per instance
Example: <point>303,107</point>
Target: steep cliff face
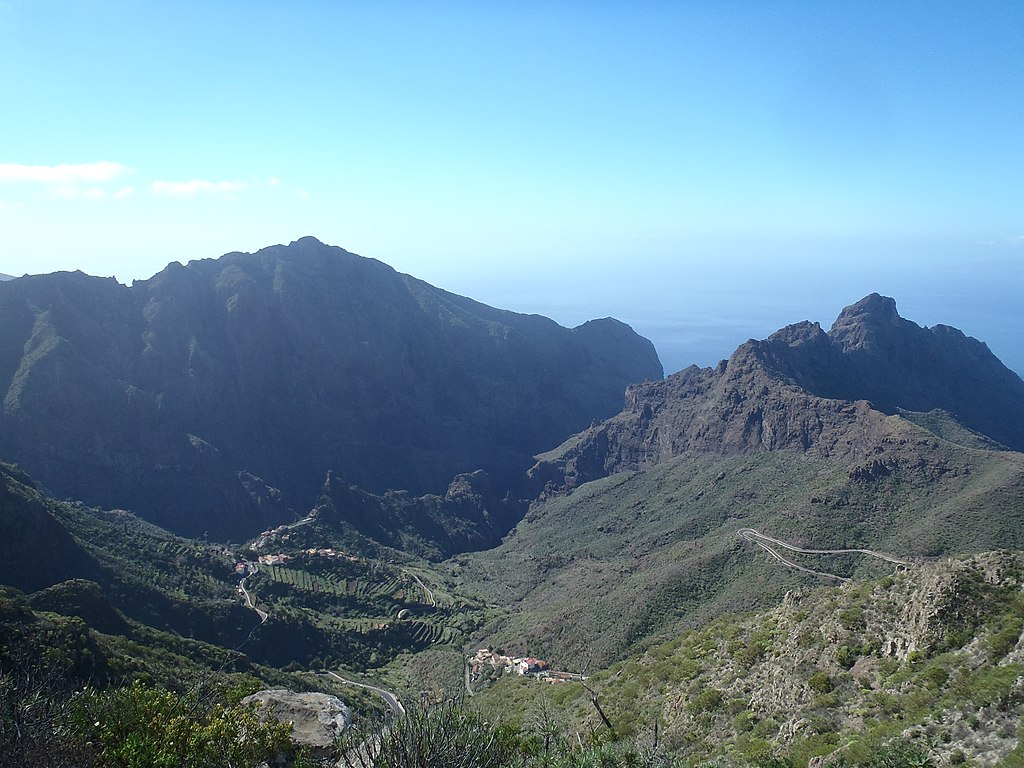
<point>874,354</point>
<point>801,389</point>
<point>216,396</point>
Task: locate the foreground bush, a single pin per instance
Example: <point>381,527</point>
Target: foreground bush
<point>138,726</point>
<point>449,736</point>
<point>146,727</point>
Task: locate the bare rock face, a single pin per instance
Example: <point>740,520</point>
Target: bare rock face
<point>317,719</point>
<point>833,395</point>
<point>894,363</point>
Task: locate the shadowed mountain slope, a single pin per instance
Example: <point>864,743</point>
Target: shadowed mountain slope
<point>216,396</point>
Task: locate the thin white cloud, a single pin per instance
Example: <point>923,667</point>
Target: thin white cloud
<point>197,187</point>
<point>63,174</point>
<point>79,193</point>
<point>1017,241</point>
<point>124,192</point>
<point>7,205</point>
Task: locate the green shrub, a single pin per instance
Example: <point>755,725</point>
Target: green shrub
<point>1004,638</point>
<point>845,657</point>
<point>852,618</point>
<point>897,755</point>
<point>766,728</point>
<point>447,736</point>
<point>934,676</point>
<point>146,727</point>
<point>708,700</point>
<point>744,721</point>
<point>820,682</point>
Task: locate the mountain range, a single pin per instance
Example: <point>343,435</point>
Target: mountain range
<point>398,440</point>
<point>215,397</point>
<point>804,390</point>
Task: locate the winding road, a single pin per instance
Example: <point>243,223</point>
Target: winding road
<point>769,544</point>
<point>424,587</point>
<point>390,698</point>
<point>251,568</point>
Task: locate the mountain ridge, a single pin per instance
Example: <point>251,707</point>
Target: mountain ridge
<point>636,531</point>
<point>804,390</point>
<point>216,395</point>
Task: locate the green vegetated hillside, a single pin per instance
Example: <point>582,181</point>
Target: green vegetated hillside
<point>123,576</point>
<point>636,532</point>
<point>639,554</point>
<point>930,656</point>
<point>628,566</point>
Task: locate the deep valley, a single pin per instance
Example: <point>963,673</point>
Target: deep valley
<point>299,469</point>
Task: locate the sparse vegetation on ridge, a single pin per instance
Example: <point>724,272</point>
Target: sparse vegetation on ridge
<point>932,655</point>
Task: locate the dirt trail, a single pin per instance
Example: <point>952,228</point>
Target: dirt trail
<point>427,591</point>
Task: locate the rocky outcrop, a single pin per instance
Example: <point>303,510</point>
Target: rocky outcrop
<point>471,515</point>
<point>801,389</point>
<point>931,649</point>
<point>878,356</point>
<point>318,719</point>
<point>215,396</point>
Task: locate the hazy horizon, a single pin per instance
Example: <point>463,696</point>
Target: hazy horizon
<point>704,171</point>
<point>698,317</point>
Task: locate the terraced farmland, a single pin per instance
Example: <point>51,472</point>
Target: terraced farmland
<point>378,605</point>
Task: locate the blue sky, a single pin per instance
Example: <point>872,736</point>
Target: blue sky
<point>710,168</point>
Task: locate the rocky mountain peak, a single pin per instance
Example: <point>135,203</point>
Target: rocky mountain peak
<point>802,389</point>
<point>873,308</point>
<point>308,241</point>
<point>873,322</point>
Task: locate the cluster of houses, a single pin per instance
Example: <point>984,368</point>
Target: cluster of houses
<point>332,553</point>
<point>526,665</point>
<point>274,559</point>
<point>520,665</point>
<point>273,533</point>
<point>242,568</point>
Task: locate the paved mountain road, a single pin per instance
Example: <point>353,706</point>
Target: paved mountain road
<point>770,543</point>
<point>390,698</point>
<point>251,568</point>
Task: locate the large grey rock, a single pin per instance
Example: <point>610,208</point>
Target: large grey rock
<point>317,719</point>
